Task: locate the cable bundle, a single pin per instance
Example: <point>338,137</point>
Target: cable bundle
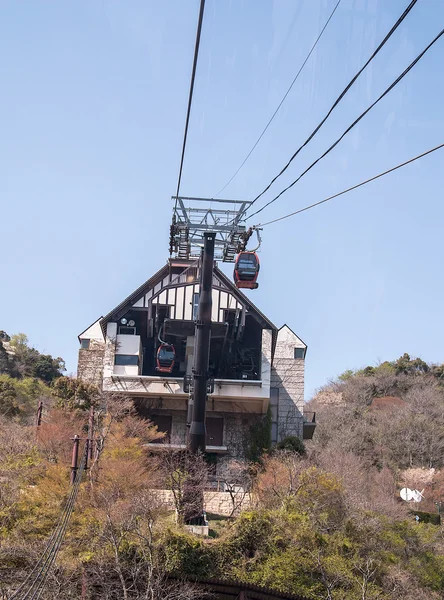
<point>32,587</point>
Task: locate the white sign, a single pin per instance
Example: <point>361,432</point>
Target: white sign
<point>411,495</point>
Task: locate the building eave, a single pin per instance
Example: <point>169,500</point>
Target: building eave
<point>265,321</point>
<point>129,301</point>
<point>298,336</point>
<point>89,326</point>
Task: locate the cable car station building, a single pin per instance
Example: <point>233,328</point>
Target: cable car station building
<point>253,365</point>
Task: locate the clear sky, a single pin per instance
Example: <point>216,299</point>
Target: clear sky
<point>92,104</point>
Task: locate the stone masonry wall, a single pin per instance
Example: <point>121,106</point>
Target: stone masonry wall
<point>288,376</point>
<point>218,503</point>
<point>90,363</point>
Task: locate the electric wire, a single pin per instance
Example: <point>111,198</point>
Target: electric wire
<point>340,97</point>
<point>47,547</point>
<point>355,122</point>
<point>283,99</point>
<point>49,555</point>
<point>190,95</point>
<point>39,582</point>
<point>59,540</point>
<point>354,187</point>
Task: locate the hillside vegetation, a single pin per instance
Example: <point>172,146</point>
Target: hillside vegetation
<point>324,523</point>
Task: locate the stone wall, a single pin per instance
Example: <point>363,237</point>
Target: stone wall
<point>90,363</point>
<point>288,376</point>
<point>217,503</point>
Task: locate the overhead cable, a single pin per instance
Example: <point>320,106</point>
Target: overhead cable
<point>35,585</point>
<point>354,187</point>
<point>341,95</point>
<point>355,122</point>
<point>190,95</point>
<point>283,99</point>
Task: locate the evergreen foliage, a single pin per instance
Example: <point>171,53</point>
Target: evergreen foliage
<point>259,438</point>
<point>292,444</point>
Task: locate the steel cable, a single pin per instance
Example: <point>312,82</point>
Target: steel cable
<point>283,99</point>
<point>354,187</point>
<point>340,97</point>
<point>355,122</point>
<point>50,553</point>
<point>190,95</point>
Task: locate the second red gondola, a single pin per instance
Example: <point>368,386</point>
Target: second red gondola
<point>166,357</point>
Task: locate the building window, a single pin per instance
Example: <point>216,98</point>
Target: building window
<point>299,352</point>
<point>84,344</point>
<point>126,360</point>
<point>127,330</point>
<point>195,306</point>
<point>215,431</point>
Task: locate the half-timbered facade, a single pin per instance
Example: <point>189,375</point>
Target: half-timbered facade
<point>254,364</point>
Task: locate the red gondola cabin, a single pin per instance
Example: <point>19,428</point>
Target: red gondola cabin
<point>246,270</point>
<point>166,356</point>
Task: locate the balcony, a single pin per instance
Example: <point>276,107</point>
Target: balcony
<point>229,395</point>
<point>309,425</point>
<point>160,446</point>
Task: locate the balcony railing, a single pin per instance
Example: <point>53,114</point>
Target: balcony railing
<point>309,425</point>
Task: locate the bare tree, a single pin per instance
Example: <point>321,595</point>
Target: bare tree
<point>186,476</point>
<point>236,478</point>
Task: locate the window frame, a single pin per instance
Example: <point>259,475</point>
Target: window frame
<point>126,327</point>
<point>85,344</point>
<point>134,357</point>
<point>302,350</point>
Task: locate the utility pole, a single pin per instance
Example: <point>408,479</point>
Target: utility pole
<point>39,413</point>
<point>91,432</point>
<point>202,347</point>
<point>75,458</point>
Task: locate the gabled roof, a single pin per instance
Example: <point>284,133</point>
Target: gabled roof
<point>89,327</point>
<point>132,298</point>
<point>126,304</point>
<point>245,300</point>
<point>295,334</point>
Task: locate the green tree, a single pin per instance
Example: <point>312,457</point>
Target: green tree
<point>19,341</point>
<point>259,438</point>
<point>8,399</point>
<point>292,444</point>
<point>48,368</point>
<point>73,393</point>
<point>5,366</point>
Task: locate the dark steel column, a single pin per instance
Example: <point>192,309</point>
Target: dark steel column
<point>202,347</point>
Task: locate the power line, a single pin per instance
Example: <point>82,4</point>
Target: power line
<point>190,96</point>
<point>282,101</point>
<point>35,585</point>
<point>354,187</point>
<point>342,94</point>
<point>355,122</point>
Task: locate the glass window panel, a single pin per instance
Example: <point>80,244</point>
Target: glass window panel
<point>126,360</point>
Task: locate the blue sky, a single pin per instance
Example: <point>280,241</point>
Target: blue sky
<point>93,106</point>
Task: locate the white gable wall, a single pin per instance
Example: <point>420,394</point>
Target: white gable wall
<point>180,298</point>
<point>93,333</point>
